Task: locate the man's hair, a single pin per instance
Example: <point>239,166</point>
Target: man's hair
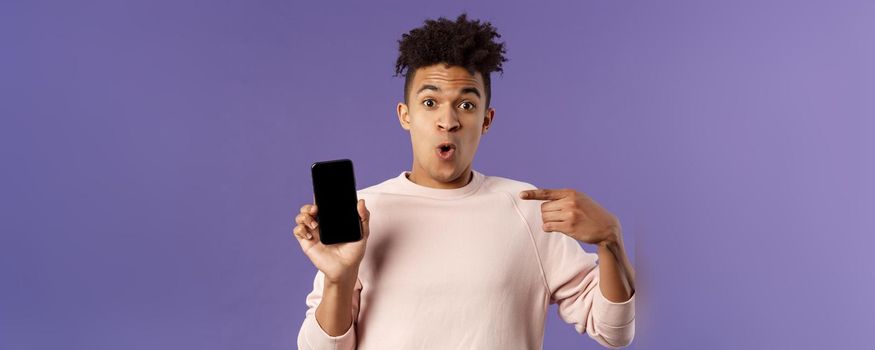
<point>465,43</point>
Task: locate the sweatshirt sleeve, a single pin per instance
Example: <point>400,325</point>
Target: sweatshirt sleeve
<point>312,336</point>
<point>572,278</point>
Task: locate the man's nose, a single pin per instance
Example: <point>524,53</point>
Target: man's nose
<point>449,121</point>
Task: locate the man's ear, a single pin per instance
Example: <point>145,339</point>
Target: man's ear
<point>403,116</point>
<point>487,121</point>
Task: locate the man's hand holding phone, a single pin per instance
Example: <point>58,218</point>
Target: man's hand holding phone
<point>333,235</point>
<point>339,262</point>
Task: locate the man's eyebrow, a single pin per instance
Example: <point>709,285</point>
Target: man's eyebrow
<point>427,87</point>
<point>465,90</point>
<point>472,90</point>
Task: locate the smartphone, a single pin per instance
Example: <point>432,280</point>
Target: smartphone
<point>335,194</point>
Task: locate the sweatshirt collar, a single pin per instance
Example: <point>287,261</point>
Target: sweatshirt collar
<point>410,187</point>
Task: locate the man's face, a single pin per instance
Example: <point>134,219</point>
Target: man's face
<point>446,107</point>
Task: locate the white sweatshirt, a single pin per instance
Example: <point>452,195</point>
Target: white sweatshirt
<point>467,268</point>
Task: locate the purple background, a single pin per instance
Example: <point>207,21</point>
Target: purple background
<point>154,154</point>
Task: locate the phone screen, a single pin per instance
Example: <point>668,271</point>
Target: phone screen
<point>335,194</point>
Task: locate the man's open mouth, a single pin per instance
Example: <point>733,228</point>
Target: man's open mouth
<point>446,150</point>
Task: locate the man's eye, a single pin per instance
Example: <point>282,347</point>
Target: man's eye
<point>429,103</point>
<point>467,106</point>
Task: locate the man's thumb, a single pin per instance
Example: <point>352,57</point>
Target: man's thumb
<point>365,216</point>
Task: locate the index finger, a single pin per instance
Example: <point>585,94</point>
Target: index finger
<point>309,209</point>
<point>542,194</point>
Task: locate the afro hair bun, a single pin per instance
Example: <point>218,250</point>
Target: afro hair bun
<point>465,43</point>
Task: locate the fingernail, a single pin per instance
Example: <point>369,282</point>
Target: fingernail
<point>312,224</point>
<point>309,236</point>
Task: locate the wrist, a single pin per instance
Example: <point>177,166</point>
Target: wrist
<point>613,241</point>
<point>346,279</point>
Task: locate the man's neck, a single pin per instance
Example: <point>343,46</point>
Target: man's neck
<point>443,185</point>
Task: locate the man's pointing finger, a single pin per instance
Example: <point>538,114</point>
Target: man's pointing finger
<point>542,194</point>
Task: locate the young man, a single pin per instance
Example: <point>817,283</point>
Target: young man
<point>452,258</point>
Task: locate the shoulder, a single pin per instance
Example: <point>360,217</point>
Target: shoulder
<point>503,184</point>
<point>529,209</point>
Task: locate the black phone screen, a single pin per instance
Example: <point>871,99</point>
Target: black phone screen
<point>335,194</point>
